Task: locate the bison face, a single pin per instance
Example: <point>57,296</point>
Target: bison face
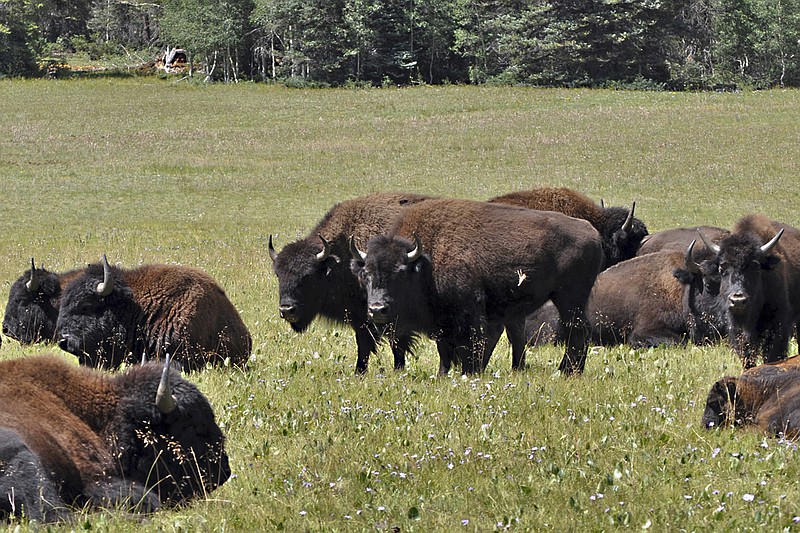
<point>701,300</point>
<point>720,404</point>
<point>179,454</point>
<point>305,281</point>
<point>392,271</point>
<point>99,330</point>
<point>32,308</point>
<point>622,234</point>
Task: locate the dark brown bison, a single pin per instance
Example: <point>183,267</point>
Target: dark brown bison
<point>651,300</point>
<point>620,230</point>
<point>474,267</point>
<point>314,276</point>
<point>678,239</point>
<point>76,437</point>
<point>765,396</point>
<point>654,299</point>
<point>33,303</point>
<point>111,315</point>
<point>753,272</point>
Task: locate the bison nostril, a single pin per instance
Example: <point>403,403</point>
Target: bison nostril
<point>63,343</point>
<point>288,311</point>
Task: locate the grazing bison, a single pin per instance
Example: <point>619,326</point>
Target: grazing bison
<point>679,238</point>
<point>620,230</point>
<point>33,303</point>
<point>765,396</point>
<point>73,436</point>
<point>111,315</point>
<point>314,276</point>
<point>751,266</point>
<point>474,267</point>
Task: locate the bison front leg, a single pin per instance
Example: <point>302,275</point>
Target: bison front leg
<point>366,344</point>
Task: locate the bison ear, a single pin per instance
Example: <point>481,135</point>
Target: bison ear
<point>770,262</point>
<point>165,401</point>
<point>682,275</point>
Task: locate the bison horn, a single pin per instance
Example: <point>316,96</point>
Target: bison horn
<point>33,283</point>
<point>710,245</point>
<point>416,253</point>
<point>326,249</point>
<point>165,401</point>
<point>358,254</point>
<point>272,253</point>
<point>106,287</point>
<point>771,244</point>
<point>602,204</point>
<point>629,221</point>
<point>691,266</point>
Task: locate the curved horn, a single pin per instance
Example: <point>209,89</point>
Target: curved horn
<point>357,254</point>
<point>710,245</point>
<point>326,249</point>
<point>165,401</point>
<point>629,221</point>
<point>272,253</point>
<point>602,204</point>
<point>416,253</point>
<point>767,247</point>
<point>105,287</point>
<point>33,283</point>
<point>691,266</point>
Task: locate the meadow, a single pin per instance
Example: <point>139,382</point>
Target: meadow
<point>149,170</point>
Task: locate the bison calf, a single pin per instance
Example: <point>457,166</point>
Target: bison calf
<point>111,315</point>
<point>765,396</point>
<point>73,436</point>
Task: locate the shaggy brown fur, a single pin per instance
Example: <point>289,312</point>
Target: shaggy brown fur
<point>765,396</point>
<point>75,436</point>
<point>153,310</point>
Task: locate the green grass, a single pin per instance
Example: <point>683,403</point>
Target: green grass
<point>148,170</point>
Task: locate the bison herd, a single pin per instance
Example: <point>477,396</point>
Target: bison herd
<point>547,265</point>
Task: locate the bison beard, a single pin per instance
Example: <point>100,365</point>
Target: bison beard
<point>76,437</point>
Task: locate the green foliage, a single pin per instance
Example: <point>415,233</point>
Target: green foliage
<point>148,171</point>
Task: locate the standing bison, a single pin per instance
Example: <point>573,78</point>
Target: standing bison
<point>33,303</point>
<point>314,275</point>
<point>753,273</point>
<point>620,230</point>
<point>474,267</point>
<point>77,437</point>
<point>111,315</point>
<point>766,396</point>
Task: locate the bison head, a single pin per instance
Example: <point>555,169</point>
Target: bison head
<point>393,271</point>
<point>96,321</point>
<point>721,404</point>
<point>305,280</point>
<point>32,308</point>
<point>740,260</point>
<point>622,234</point>
<point>165,435</point>
<point>701,298</point>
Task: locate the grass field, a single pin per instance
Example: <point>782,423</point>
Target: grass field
<point>149,170</point>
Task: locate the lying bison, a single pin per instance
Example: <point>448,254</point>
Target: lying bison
<point>111,315</point>
<point>659,298</point>
<point>33,303</point>
<point>314,276</point>
<point>620,230</point>
<point>474,267</point>
<point>76,437</point>
<point>765,396</point>
<point>753,273</point>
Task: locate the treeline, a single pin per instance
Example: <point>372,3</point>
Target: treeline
<point>673,44</point>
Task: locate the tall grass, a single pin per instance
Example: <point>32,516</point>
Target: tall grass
<point>149,170</point>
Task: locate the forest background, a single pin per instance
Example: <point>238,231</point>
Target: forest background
<point>644,44</point>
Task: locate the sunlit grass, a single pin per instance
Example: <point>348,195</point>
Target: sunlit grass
<point>149,170</point>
